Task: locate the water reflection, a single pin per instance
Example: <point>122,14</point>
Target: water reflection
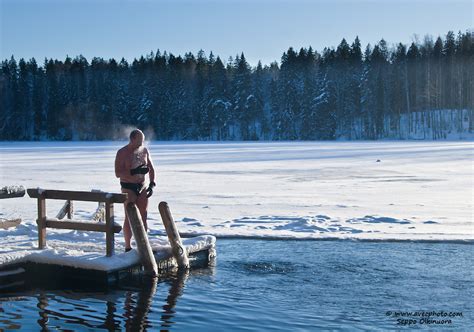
<point>277,286</point>
<point>133,305</point>
<point>42,305</point>
<point>175,291</point>
<point>137,305</point>
<point>111,323</point>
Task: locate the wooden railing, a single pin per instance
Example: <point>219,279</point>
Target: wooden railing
<point>110,227</point>
<point>10,192</point>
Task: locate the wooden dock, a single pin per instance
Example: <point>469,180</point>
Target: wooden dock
<point>40,266</point>
<point>32,274</point>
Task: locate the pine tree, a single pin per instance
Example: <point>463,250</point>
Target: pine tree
<point>242,96</point>
<point>290,108</point>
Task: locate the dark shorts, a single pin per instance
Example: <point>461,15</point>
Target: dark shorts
<point>137,188</point>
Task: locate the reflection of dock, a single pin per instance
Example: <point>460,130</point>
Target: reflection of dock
<point>154,257</point>
<point>138,303</point>
<point>137,313</point>
<point>175,291</point>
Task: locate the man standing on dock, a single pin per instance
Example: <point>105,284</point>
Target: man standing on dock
<point>132,163</point>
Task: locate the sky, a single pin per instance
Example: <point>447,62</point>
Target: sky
<point>261,29</point>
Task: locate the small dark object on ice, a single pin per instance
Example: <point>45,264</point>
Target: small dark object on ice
<point>378,160</point>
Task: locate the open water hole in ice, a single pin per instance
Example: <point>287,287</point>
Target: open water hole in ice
<point>271,285</point>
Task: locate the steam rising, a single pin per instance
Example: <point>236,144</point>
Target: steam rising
<point>123,133</point>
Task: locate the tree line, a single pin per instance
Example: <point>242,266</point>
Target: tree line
<point>343,92</point>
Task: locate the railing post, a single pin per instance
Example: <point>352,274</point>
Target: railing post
<point>177,248</point>
<point>109,225</point>
<point>143,245</point>
<point>70,209</point>
<point>41,221</point>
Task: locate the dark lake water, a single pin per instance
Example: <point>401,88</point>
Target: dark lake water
<point>261,285</point>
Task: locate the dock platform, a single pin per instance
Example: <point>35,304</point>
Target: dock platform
<point>72,257</point>
<point>38,267</point>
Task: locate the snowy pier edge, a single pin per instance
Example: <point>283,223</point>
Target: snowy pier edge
<point>74,257</point>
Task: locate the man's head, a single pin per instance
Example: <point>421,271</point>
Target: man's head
<point>136,138</point>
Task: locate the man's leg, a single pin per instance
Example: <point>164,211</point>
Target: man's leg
<point>142,204</point>
<point>127,231</point>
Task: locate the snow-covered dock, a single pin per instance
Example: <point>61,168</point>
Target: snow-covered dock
<point>82,256</point>
<point>75,263</point>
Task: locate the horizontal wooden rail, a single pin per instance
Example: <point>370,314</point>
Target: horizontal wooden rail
<point>85,196</point>
<point>11,192</point>
<point>81,225</point>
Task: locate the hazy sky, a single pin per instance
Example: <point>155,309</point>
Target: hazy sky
<point>262,29</point>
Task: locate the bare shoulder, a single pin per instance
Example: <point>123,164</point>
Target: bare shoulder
<point>121,152</point>
<point>123,149</point>
<point>145,151</point>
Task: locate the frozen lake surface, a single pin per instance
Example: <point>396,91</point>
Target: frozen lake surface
<point>262,285</point>
<point>416,190</point>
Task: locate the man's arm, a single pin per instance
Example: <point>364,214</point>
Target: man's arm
<point>118,165</point>
<point>150,167</point>
<point>151,174</point>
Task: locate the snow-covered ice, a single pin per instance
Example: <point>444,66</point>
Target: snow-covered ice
<point>388,190</point>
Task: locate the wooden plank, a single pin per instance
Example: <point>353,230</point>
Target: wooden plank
<point>65,210</point>
<point>143,245</point>
<point>86,196</point>
<point>81,225</point>
<point>13,272</point>
<point>41,221</point>
<point>45,276</point>
<point>11,192</point>
<point>8,223</point>
<point>4,195</point>
<point>70,210</point>
<point>109,230</point>
<point>99,214</point>
<point>12,284</point>
<point>177,248</point>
